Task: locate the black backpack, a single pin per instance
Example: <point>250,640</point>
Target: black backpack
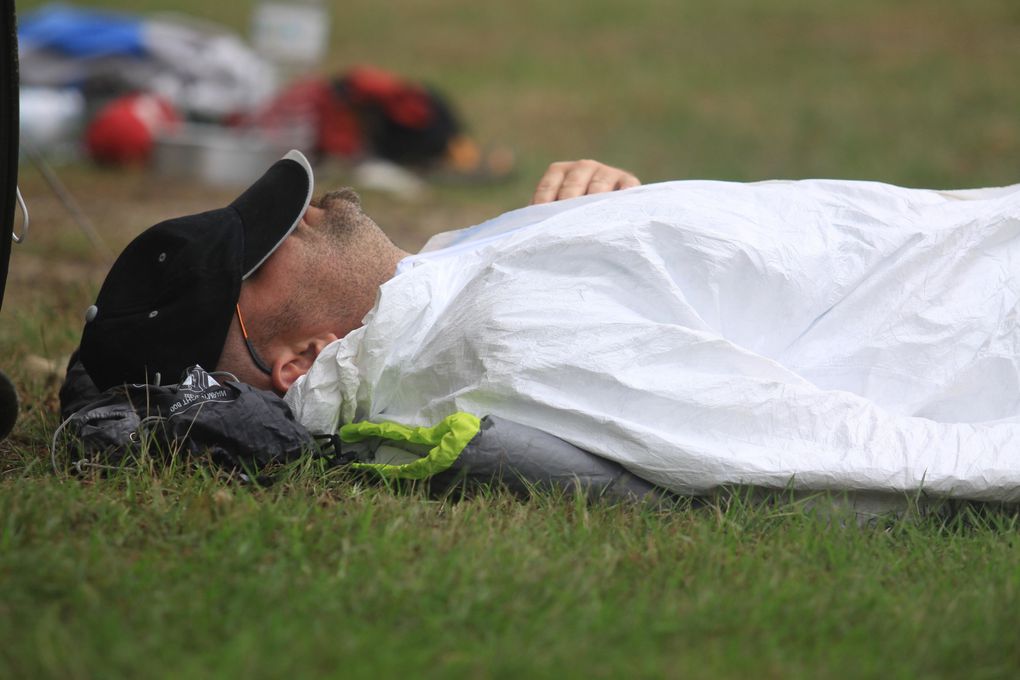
<point>237,426</point>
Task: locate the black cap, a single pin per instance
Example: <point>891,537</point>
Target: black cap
<point>168,300</point>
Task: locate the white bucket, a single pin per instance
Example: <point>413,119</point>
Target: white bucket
<point>291,33</point>
<point>214,155</point>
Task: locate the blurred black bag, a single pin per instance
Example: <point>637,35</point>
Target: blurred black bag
<point>396,119</point>
<point>236,425</point>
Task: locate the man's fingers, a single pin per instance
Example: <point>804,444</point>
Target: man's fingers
<point>628,181</point>
<point>569,179</point>
<point>549,185</point>
<point>577,180</point>
<point>606,179</point>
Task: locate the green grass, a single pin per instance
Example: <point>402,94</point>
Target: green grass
<point>177,572</point>
<point>168,574</point>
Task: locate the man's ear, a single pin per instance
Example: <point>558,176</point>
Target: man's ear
<point>294,360</point>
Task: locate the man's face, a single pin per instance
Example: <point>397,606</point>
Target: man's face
<point>308,289</point>
<point>299,288</point>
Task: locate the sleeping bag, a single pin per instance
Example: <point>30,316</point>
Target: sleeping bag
<point>814,335</point>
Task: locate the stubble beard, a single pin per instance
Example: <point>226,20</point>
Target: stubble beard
<point>337,251</point>
<point>343,218</point>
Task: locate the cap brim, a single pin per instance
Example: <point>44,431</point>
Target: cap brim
<point>271,208</point>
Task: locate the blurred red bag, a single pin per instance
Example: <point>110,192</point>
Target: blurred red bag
<point>124,131</point>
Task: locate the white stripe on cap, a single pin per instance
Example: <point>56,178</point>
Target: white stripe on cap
<point>299,158</point>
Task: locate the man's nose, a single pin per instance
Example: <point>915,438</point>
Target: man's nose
<point>312,216</point>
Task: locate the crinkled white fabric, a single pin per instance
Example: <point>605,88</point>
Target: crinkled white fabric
<point>820,335</point>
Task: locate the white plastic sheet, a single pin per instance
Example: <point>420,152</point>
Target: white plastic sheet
<point>820,335</point>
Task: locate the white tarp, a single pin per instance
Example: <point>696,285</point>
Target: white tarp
<point>814,334</point>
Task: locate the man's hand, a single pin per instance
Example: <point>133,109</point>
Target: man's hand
<point>567,179</point>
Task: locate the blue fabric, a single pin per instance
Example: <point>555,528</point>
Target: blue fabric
<point>82,33</point>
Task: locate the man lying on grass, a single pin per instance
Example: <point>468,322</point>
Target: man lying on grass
<point>819,334</point>
<point>274,270</point>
